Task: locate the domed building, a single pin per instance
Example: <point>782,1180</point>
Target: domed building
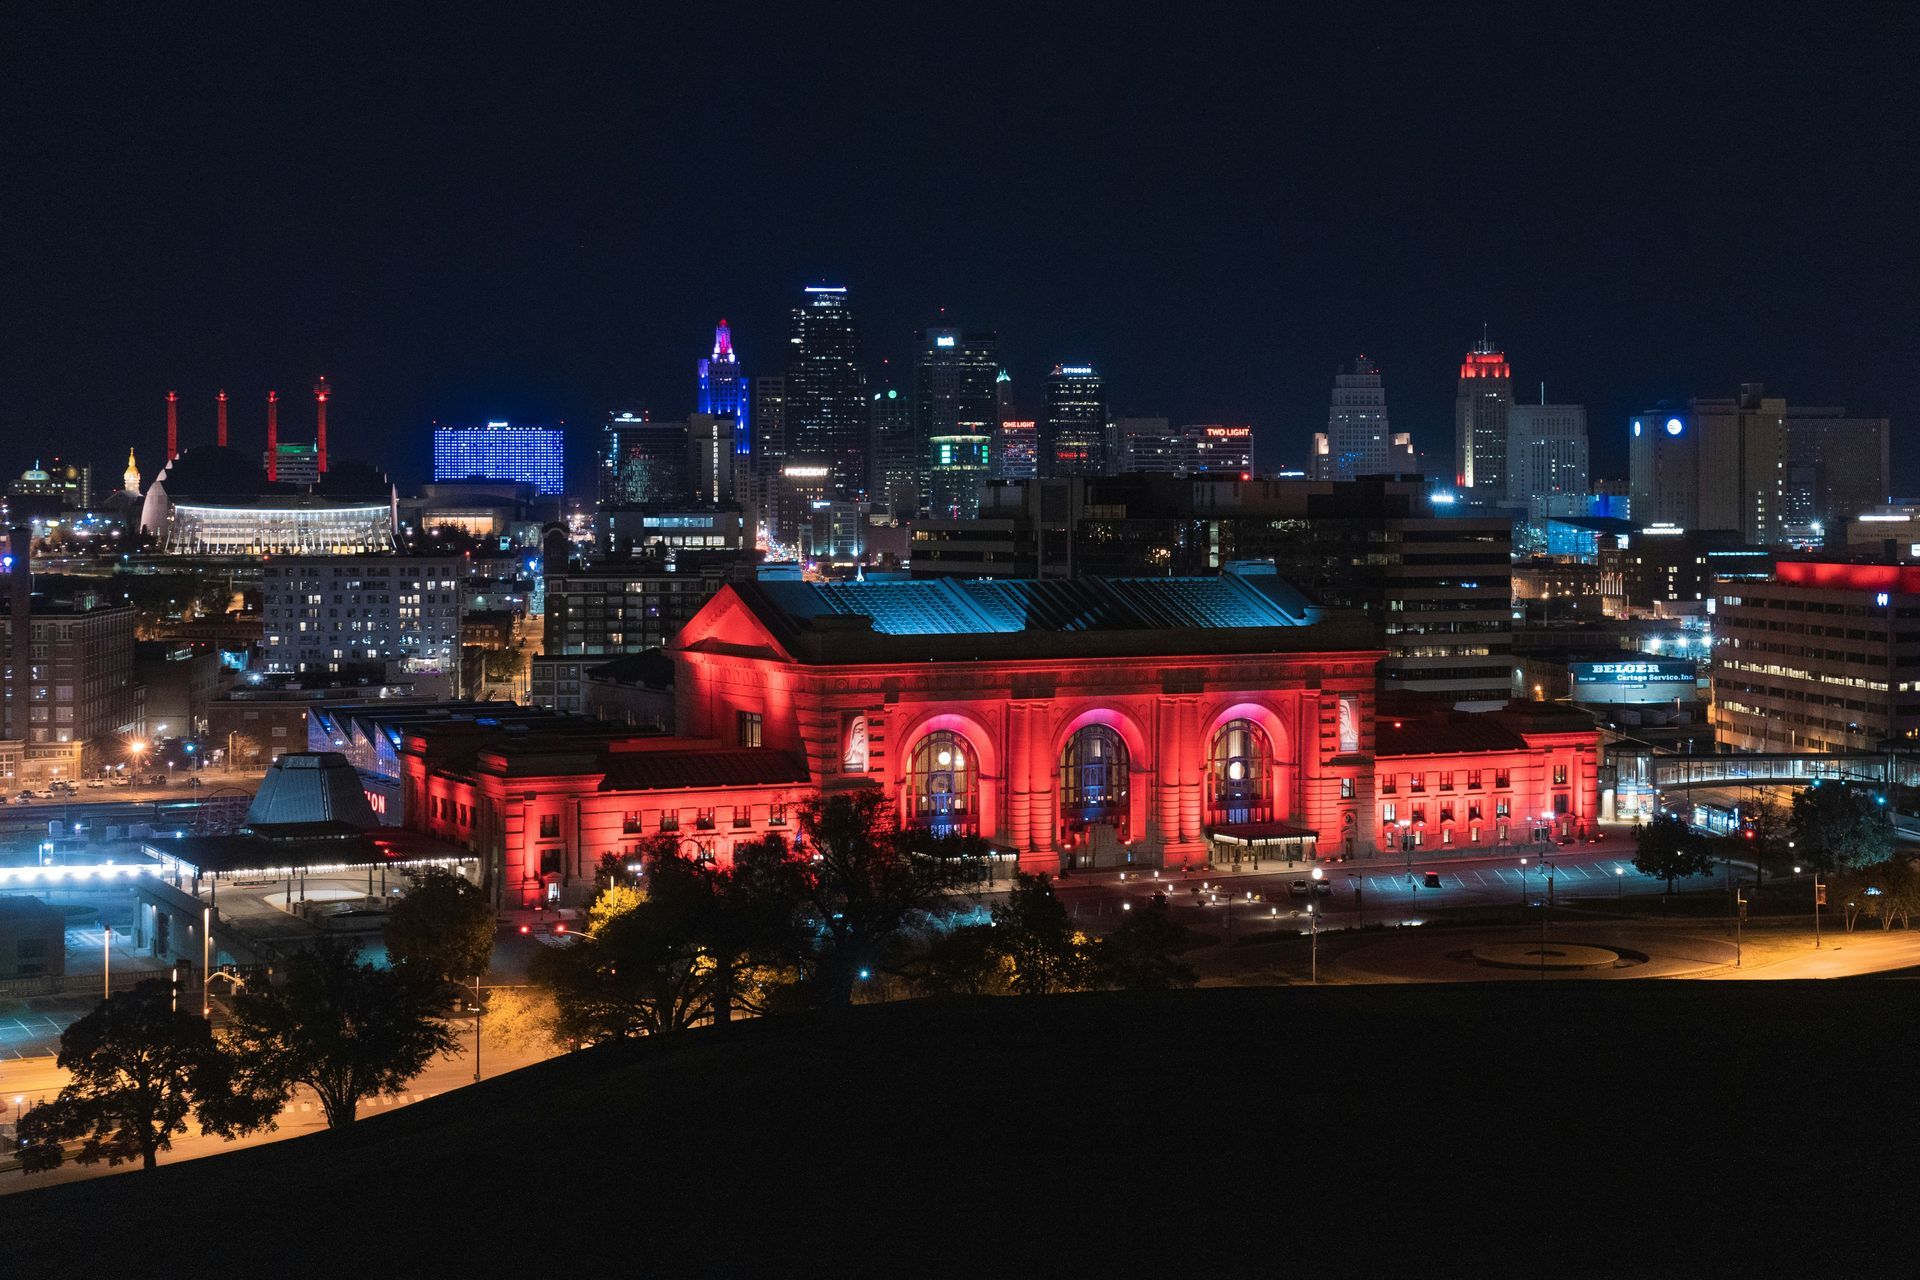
<point>69,483</point>
<point>217,501</point>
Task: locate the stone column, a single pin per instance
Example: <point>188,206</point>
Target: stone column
<point>1166,775</point>
<point>1016,770</point>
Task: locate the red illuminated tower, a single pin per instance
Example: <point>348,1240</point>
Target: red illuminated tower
<point>173,425</point>
<point>1480,421</point>
<point>320,393</point>
<point>273,436</point>
<point>220,428</point>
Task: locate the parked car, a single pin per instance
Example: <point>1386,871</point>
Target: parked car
<point>1299,889</point>
<point>95,784</point>
<point>28,795</point>
<point>1433,880</point>
<point>1323,887</point>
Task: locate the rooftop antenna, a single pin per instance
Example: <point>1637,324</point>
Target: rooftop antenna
<point>273,436</point>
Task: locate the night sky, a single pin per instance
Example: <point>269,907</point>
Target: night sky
<point>541,219</point>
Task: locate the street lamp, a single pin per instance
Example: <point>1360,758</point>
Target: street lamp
<point>1620,879</point>
<point>1523,882</point>
<point>1313,926</point>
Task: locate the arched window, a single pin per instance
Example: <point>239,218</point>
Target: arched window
<point>1093,779</point>
<point>940,782</point>
<point>1237,778</point>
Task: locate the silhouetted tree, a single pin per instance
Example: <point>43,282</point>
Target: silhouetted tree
<point>1668,849</point>
<point>137,1067</point>
<point>966,961</point>
<point>861,880</point>
<point>1141,954</point>
<point>443,927</point>
<point>341,1028</point>
<point>1032,929</point>
<point>1839,825</point>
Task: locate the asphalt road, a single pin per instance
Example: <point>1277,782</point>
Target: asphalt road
<point>36,1078</point>
<point>1389,889</point>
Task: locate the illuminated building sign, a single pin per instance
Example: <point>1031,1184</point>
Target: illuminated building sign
<point>1230,433</point>
<point>1634,680</point>
<point>943,340</point>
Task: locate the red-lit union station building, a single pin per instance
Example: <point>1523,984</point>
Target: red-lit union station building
<point>1072,724</point>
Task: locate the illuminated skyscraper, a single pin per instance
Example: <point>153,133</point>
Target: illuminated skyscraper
<point>1357,441</point>
<point>826,401</point>
<point>723,391</point>
<point>645,463</point>
<point>956,407</point>
<point>1546,449</point>
<point>1480,422</point>
<point>899,461</point>
<point>1075,436</point>
<point>769,424</point>
<point>501,451</point>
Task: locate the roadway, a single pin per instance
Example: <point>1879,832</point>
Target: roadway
<point>23,1082</point>
<point>1390,889</point>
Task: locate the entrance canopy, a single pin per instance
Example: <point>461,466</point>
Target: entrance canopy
<point>1260,833</point>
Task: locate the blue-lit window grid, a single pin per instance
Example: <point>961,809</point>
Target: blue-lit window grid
<point>521,455</point>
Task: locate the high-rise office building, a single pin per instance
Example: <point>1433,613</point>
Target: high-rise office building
<point>1357,441</point>
<point>1075,435</point>
<point>710,443</point>
<point>899,463</point>
<point>1216,449</point>
<point>1480,422</point>
<point>502,451</point>
<point>1016,449</point>
<point>826,403</point>
<point>769,423</point>
<point>645,463</point>
<point>1016,440</point>
<point>722,390</point>
<point>956,405</point>
<point>1752,463</point>
<point>1546,449</point>
<point>1145,444</point>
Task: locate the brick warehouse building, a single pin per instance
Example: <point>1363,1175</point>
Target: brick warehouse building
<point>1072,724</point>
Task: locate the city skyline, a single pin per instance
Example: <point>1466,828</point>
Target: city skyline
<point>545,304</point>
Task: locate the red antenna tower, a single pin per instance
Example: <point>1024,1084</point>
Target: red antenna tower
<point>173,425</point>
<point>320,393</point>
<point>273,436</point>
<point>220,437</point>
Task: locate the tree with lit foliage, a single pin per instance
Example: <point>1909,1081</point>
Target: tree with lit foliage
<point>637,970</point>
<point>442,927</point>
<point>861,881</point>
<point>1142,953</point>
<point>1032,929</point>
<point>138,1067</point>
<point>1838,825</point>
<point>964,961</point>
<point>334,1025</point>
<point>1668,849</point>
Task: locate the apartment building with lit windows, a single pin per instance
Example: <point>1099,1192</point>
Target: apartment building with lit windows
<point>339,614</point>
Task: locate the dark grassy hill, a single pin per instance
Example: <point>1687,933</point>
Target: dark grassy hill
<point>1620,1128</point>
